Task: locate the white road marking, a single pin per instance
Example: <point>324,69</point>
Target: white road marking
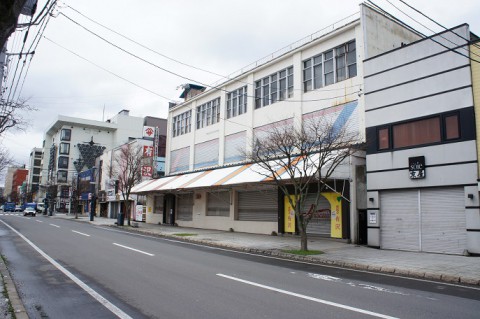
<point>39,221</point>
<point>138,251</point>
<point>55,225</point>
<point>114,309</point>
<point>87,235</point>
<point>334,304</point>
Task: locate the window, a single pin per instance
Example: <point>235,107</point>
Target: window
<point>274,88</point>
<point>62,162</point>
<point>237,102</point>
<point>452,129</point>
<point>65,134</point>
<point>64,148</point>
<point>35,179</point>
<point>37,162</point>
<point>417,133</point>
<point>208,113</point>
<point>383,139</point>
<point>158,205</point>
<point>36,170</point>
<point>182,123</point>
<point>331,66</point>
<point>61,176</point>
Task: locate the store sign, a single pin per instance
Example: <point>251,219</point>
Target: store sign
<point>147,171</point>
<point>149,131</point>
<point>416,167</point>
<point>147,151</point>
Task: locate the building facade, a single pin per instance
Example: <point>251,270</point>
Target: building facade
<point>72,145</point>
<point>422,158</point>
<point>210,185</point>
<point>34,172</point>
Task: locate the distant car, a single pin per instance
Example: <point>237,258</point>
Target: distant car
<point>18,208</point>
<point>1,208</point>
<point>9,207</point>
<point>29,211</point>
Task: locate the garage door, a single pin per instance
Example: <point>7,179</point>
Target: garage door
<point>399,220</point>
<point>259,205</point>
<point>443,220</point>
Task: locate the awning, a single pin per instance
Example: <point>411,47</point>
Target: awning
<point>232,175</point>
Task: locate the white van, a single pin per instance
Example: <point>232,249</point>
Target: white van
<point>40,208</point>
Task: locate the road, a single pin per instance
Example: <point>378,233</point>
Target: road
<point>68,269</point>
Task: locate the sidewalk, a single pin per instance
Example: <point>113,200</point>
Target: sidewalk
<point>447,268</point>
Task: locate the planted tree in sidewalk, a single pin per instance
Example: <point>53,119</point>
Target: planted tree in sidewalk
<point>302,158</point>
<point>126,167</point>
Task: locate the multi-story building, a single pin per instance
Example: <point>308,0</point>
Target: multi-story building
<point>71,146</point>
<point>210,186</point>
<point>34,172</point>
<point>422,155</point>
<point>18,180</point>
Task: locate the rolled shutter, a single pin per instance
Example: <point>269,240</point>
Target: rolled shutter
<point>258,205</point>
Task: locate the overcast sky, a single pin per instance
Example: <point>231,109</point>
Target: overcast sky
<point>218,36</point>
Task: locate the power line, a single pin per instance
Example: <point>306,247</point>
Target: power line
<point>108,71</point>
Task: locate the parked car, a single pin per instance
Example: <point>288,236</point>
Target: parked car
<point>40,208</point>
<point>29,211</point>
<point>18,208</point>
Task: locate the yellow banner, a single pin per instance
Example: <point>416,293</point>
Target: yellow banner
<point>335,200</point>
<point>289,214</point>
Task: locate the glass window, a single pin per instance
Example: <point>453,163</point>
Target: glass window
<point>62,162</point>
<point>61,176</point>
<point>208,113</point>
<point>64,148</point>
<point>452,129</point>
<point>36,171</point>
<point>383,139</point>
<point>351,59</point>
<point>182,123</point>
<point>317,72</point>
<point>65,134</point>
<point>237,102</point>
<point>328,68</point>
<point>37,162</point>
<point>273,88</point>
<point>417,133</point>
<point>307,75</point>
<point>258,95</point>
<point>290,81</point>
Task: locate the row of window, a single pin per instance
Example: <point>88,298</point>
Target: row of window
<point>324,69</point>
<point>329,67</point>
<point>419,132</point>
<point>273,88</point>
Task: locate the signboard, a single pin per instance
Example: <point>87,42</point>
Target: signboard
<point>139,213</point>
<point>289,212</point>
<point>416,167</point>
<point>147,151</point>
<point>335,201</point>
<point>149,131</point>
<point>147,171</point>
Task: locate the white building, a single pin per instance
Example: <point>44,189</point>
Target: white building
<point>63,139</point>
<point>208,185</point>
<point>34,171</point>
<point>422,153</point>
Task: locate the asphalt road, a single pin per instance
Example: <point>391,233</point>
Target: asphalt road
<point>68,269</point>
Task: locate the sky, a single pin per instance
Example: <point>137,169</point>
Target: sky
<point>75,73</point>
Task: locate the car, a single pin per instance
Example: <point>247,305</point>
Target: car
<point>18,208</point>
<point>29,211</point>
<point>9,207</point>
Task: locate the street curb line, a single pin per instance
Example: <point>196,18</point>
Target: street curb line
<point>328,262</point>
<point>16,302</point>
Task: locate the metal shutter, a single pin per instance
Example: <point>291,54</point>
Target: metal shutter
<point>218,204</point>
<point>234,147</point>
<point>206,154</point>
<point>399,220</point>
<point>321,221</point>
<point>443,220</point>
<point>180,160</point>
<point>258,205</point>
<point>185,206</point>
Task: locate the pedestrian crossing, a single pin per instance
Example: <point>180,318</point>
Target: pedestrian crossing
<point>12,214</point>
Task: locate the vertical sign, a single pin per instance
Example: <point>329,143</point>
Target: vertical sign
<point>147,171</point>
<point>147,151</point>
<point>335,200</point>
<point>289,214</point>
<point>148,131</point>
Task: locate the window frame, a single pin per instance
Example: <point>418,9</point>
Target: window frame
<point>63,162</point>
<point>65,173</point>
<point>182,123</point>
<point>236,102</point>
<point>64,136</point>
<point>61,151</point>
<point>273,88</point>
<point>208,113</point>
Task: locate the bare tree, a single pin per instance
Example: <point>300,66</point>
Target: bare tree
<point>11,115</point>
<point>127,169</point>
<point>6,159</point>
<point>302,158</point>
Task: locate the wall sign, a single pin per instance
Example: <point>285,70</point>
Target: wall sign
<point>416,167</point>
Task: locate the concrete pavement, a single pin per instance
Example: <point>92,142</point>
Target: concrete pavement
<point>439,267</point>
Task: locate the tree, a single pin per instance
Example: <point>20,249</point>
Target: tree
<point>298,159</point>
<point>127,169</point>
<point>6,159</point>
<point>11,114</point>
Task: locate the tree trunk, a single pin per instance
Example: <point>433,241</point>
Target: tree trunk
<point>303,240</point>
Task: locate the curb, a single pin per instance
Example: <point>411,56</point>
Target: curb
<point>401,272</point>
<point>16,302</point>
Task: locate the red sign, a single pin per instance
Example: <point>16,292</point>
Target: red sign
<point>147,151</point>
<point>147,171</point>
